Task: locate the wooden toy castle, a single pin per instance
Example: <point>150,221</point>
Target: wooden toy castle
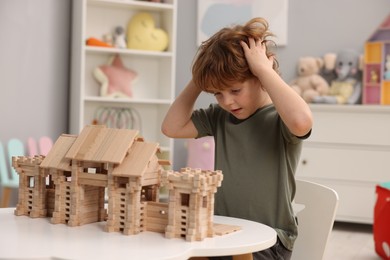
<point>113,175</point>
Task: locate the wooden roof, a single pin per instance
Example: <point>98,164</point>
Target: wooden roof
<point>102,144</point>
<point>136,162</point>
<point>382,33</point>
<point>56,156</point>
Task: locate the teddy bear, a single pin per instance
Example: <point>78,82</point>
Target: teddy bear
<point>309,83</point>
<point>345,86</point>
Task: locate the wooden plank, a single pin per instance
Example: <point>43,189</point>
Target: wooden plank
<point>101,144</point>
<point>56,157</point>
<point>137,160</point>
<point>223,229</point>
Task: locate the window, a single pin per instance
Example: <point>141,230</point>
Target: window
<point>185,199</point>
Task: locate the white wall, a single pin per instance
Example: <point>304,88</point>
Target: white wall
<point>34,68</point>
<point>315,27</point>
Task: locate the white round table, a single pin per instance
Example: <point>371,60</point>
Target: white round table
<point>22,237</point>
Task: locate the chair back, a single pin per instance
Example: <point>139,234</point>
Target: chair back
<point>4,177</point>
<point>315,221</point>
<point>32,147</point>
<point>45,144</point>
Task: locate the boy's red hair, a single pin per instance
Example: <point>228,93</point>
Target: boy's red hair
<point>220,60</point>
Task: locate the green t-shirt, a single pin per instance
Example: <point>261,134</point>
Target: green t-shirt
<point>258,157</point>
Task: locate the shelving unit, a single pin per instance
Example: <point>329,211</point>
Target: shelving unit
<point>154,88</point>
<point>376,83</point>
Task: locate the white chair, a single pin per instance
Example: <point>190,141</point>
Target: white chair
<point>315,220</point>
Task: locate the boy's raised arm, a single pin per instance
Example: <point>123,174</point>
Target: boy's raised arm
<point>177,122</point>
<point>293,110</point>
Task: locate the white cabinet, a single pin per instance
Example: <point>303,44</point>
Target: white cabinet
<point>154,89</point>
<point>349,150</point>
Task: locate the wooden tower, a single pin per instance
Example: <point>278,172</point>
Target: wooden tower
<point>32,186</point>
<point>191,203</point>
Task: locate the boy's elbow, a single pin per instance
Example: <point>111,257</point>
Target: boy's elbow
<point>303,125</point>
<point>166,131</point>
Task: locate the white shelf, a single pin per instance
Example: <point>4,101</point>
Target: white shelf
<point>154,88</point>
<point>134,4</point>
<point>127,100</point>
<point>151,54</point>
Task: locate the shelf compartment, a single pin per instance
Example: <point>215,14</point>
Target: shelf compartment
<point>371,94</point>
<point>373,73</point>
<point>373,52</point>
<point>144,86</point>
<point>151,118</point>
<point>385,97</point>
<point>101,20</point>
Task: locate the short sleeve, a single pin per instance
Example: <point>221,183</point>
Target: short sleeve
<point>290,137</point>
<point>205,120</point>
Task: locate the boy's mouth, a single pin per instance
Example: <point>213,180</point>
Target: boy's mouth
<point>235,111</point>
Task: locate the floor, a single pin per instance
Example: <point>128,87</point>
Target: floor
<point>350,241</point>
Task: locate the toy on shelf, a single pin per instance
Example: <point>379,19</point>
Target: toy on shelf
<point>119,37</point>
<point>346,87</point>
<point>309,83</point>
<point>142,34</point>
<point>98,43</point>
<point>374,76</point>
<point>116,80</point>
<point>108,38</point>
<point>118,117</point>
<point>376,69</point>
<point>82,169</point>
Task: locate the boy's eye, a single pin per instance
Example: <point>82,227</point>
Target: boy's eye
<point>235,90</point>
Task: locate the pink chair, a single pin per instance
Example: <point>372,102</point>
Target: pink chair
<point>32,146</point>
<point>45,144</point>
<point>201,153</point>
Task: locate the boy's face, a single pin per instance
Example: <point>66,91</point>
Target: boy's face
<point>242,99</point>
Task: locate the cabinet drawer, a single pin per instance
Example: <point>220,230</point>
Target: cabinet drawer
<point>351,125</point>
<point>356,199</point>
<point>344,163</point>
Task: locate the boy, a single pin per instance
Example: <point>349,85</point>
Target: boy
<point>258,127</point>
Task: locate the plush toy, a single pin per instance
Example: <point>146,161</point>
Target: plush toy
<point>309,83</point>
<point>346,87</point>
<point>119,37</point>
<point>116,80</point>
<point>96,42</point>
<point>143,35</point>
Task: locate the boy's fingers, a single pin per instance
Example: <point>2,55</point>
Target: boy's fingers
<point>243,44</point>
<point>252,42</point>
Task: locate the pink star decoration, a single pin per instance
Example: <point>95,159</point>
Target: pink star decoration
<point>116,80</point>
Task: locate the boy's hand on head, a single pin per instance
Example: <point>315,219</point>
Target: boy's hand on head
<point>255,54</point>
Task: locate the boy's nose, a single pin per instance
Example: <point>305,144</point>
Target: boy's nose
<point>228,100</point>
